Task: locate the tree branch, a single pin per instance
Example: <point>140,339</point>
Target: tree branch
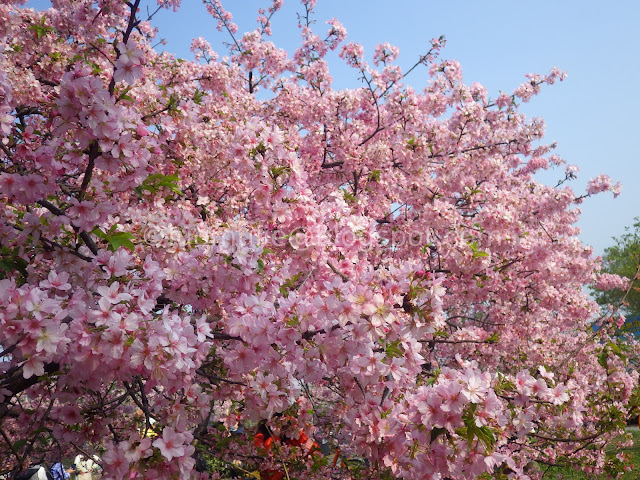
<point>16,384</point>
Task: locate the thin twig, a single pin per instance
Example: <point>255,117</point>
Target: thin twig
<point>337,272</point>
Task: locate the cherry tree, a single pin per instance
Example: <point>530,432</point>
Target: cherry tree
<point>190,246</point>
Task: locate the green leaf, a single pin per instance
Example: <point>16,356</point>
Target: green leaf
<point>124,95</point>
<point>493,338</point>
<point>115,239</point>
<point>19,444</point>
<point>476,253</point>
<point>473,191</point>
<point>41,28</point>
<point>157,181</point>
<point>431,380</point>
<point>289,284</point>
<point>414,448</point>
<point>259,149</point>
<point>198,95</point>
<point>172,104</point>
<point>277,171</point>
<point>168,181</point>
<point>121,239</point>
<point>11,263</point>
<point>616,350</point>
<point>602,358</point>
<point>394,349</point>
<point>486,436</point>
<point>374,175</point>
<point>349,197</point>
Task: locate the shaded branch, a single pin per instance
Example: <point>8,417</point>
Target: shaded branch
<point>16,384</point>
<point>337,272</point>
<point>216,379</point>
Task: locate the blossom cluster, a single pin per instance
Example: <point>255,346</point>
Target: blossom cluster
<point>193,251</point>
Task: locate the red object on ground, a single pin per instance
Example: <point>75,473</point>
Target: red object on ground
<point>303,441</point>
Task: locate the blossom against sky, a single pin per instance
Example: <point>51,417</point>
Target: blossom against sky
<point>592,115</point>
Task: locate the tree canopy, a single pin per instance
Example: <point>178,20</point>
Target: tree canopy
<point>376,267</point>
<point>623,259</point>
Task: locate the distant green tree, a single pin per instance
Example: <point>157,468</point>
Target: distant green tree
<point>623,259</point>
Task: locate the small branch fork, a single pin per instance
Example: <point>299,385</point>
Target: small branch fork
<point>86,238</point>
<point>133,23</point>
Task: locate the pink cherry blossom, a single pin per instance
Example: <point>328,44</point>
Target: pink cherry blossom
<point>558,394</point>
<point>71,415</point>
<point>33,366</point>
<point>128,66</point>
<point>194,248</point>
<point>474,387</point>
<point>171,444</point>
<point>112,294</point>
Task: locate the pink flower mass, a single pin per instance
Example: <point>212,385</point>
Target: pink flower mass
<point>190,247</point>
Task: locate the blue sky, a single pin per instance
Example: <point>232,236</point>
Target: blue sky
<point>593,115</point>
